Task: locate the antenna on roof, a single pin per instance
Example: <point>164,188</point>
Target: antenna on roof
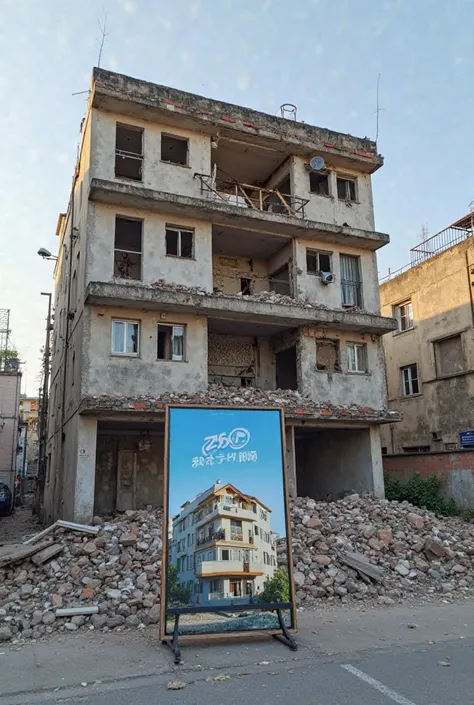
<point>104,33</point>
<point>378,110</point>
<point>288,111</point>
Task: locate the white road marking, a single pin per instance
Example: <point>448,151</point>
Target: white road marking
<point>385,690</point>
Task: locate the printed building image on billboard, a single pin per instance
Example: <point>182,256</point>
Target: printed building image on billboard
<point>227,516</point>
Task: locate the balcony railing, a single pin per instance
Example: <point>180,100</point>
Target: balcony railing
<point>235,193</point>
<point>214,536</point>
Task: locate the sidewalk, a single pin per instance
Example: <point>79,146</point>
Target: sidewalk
<point>324,635</point>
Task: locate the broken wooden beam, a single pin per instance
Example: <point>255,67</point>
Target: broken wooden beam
<point>47,553</point>
<point>83,528</point>
<point>361,564</point>
<point>18,552</point>
<point>73,611</point>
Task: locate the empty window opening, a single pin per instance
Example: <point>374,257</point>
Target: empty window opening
<point>128,248</point>
<point>179,243</point>
<point>435,436</point>
<point>319,183</point>
<point>410,382</point>
<point>279,281</point>
<point>125,336</point>
<point>170,343</point>
<point>327,355</point>
<point>129,152</point>
<point>174,150</point>
<point>416,449</point>
<point>317,262</point>
<point>346,189</point>
<point>286,375</point>
<point>356,357</point>
<point>351,285</point>
<point>245,286</point>
<point>246,381</point>
<point>449,356</point>
<point>384,450</point>
<point>404,315</point>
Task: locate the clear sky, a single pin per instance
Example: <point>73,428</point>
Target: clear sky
<point>322,55</point>
<point>253,464</point>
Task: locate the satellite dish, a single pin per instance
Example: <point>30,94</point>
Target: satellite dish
<point>317,163</point>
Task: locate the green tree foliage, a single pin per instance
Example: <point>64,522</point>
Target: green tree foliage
<point>420,492</point>
<point>276,588</point>
<point>178,596</point>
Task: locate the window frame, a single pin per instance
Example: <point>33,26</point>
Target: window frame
<point>363,348</point>
<point>125,322</point>
<point>131,252</point>
<point>397,310</point>
<point>355,285</point>
<point>179,230</point>
<point>409,380</point>
<point>179,138</point>
<point>327,174</point>
<point>129,155</point>
<point>316,253</point>
<point>348,179</point>
<point>172,326</point>
<point>437,356</point>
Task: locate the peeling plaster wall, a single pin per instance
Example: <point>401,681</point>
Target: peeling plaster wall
<point>227,272</point>
<point>342,387</point>
<point>104,373</point>
<point>232,357</point>
<point>156,174</point>
<point>155,264</point>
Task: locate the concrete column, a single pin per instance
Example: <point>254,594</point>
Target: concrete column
<point>85,469</point>
<point>291,460</point>
<point>377,463</point>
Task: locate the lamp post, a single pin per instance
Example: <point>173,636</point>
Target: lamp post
<point>43,412</point>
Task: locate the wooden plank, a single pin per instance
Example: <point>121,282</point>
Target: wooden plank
<point>360,563</point>
<point>37,537</point>
<point>18,552</point>
<point>47,553</point>
<point>73,611</point>
<point>84,528</point>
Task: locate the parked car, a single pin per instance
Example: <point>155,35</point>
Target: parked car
<point>6,500</point>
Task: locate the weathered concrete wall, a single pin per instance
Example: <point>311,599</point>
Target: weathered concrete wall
<point>329,209</point>
<point>86,438</point>
<point>104,373</point>
<point>455,472</point>
<point>155,264</point>
<point>342,387</point>
<point>309,285</point>
<point>441,291</point>
<point>227,272</point>
<point>233,357</point>
<point>156,174</point>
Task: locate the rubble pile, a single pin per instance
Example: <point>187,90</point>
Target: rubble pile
<point>117,571</point>
<point>416,553</point>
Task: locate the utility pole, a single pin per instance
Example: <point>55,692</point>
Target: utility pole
<point>43,413</point>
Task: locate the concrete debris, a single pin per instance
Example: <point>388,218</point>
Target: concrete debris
<point>406,551</point>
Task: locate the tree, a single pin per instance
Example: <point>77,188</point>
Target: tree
<point>276,588</point>
<point>177,595</point>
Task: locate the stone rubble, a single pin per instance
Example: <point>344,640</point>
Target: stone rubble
<point>422,555</point>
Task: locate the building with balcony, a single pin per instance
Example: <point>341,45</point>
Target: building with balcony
<point>222,545</point>
<point>201,257</point>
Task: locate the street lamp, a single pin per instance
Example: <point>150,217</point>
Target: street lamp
<point>46,254</point>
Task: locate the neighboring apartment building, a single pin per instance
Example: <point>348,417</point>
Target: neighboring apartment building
<point>222,545</point>
<point>10,384</point>
<point>200,247</point>
<point>29,418</point>
<point>430,358</point>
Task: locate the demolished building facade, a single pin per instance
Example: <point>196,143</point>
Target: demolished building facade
<point>203,261</point>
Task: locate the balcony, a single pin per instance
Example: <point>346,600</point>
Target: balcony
<point>222,535</point>
<point>211,569</point>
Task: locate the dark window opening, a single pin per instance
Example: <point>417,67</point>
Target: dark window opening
<point>286,375</point>
<point>179,243</point>
<point>327,355</point>
<point>174,150</point>
<point>246,381</point>
<point>128,248</point>
<point>317,262</point>
<point>319,183</point>
<point>435,436</point>
<point>170,343</point>
<point>245,286</point>
<point>416,449</point>
<point>280,281</point>
<point>384,450</point>
<point>225,554</point>
<point>129,152</point>
<point>346,189</point>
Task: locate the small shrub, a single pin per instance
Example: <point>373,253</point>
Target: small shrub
<point>420,492</point>
<point>276,588</point>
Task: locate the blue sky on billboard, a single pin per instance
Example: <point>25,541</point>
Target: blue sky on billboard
<point>240,446</point>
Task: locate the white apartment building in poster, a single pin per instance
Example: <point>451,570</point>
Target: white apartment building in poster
<point>222,545</point>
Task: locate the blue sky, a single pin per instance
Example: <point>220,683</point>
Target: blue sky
<point>261,478</point>
<point>322,55</point>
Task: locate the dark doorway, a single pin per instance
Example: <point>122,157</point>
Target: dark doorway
<point>280,281</point>
<point>286,376</point>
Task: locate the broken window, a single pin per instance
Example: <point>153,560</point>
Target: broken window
<point>319,183</point>
<point>286,370</point>
<point>125,336</point>
<point>170,343</point>
<point>404,315</point>
<point>449,356</point>
<point>327,355</point>
<point>129,152</point>
<point>356,357</point>
<point>410,382</point>
<point>245,286</point>
<point>128,248</point>
<point>179,243</point>
<point>351,289</point>
<point>174,150</point>
<point>317,262</point>
<point>280,281</point>
<point>346,189</point>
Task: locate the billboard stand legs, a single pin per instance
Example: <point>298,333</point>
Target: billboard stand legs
<point>285,637</point>
<point>174,643</point>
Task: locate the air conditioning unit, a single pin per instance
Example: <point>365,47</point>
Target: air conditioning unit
<point>327,277</point>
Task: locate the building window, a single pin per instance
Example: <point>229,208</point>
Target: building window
<point>410,382</point>
<point>179,243</point>
<point>170,343</point>
<point>129,152</point>
<point>356,357</point>
<point>225,554</point>
<point>351,289</point>
<point>125,335</point>
<point>174,150</point>
<point>449,356</point>
<point>327,355</point>
<point>317,262</point>
<point>404,315</point>
<point>128,248</point>
<point>416,449</point>
<point>245,286</point>
<point>384,450</point>
<point>450,446</point>
<point>346,189</point>
<point>319,183</point>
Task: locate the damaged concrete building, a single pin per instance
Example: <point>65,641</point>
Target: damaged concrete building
<point>206,257</point>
